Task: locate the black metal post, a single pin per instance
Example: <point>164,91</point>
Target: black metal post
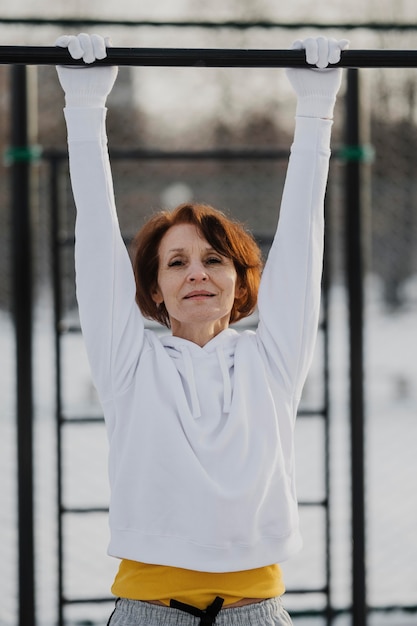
<point>56,286</point>
<point>22,310</point>
<point>326,285</point>
<point>355,273</point>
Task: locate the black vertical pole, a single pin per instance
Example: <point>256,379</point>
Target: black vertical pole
<point>22,310</point>
<point>56,276</point>
<point>355,273</point>
<point>326,283</point>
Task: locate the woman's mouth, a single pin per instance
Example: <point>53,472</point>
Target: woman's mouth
<point>194,295</point>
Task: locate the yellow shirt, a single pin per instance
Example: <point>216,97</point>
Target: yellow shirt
<point>141,581</point>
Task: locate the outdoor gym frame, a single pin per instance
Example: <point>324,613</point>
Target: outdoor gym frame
<point>20,156</point>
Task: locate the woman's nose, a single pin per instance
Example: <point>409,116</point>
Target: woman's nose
<point>197,272</point>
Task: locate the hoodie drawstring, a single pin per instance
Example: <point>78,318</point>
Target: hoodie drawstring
<point>189,372</point>
<point>227,385</point>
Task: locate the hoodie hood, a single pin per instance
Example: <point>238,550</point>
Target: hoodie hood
<point>197,365</point>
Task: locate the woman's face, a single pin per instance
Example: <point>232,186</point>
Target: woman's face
<point>197,284</point>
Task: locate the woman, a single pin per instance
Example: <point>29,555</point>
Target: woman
<point>200,422</point>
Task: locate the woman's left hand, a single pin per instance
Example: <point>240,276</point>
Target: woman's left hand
<point>316,89</point>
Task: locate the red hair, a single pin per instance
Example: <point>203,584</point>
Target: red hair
<point>226,236</point>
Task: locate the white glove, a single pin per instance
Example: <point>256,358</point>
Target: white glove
<point>316,90</point>
<point>86,87</point>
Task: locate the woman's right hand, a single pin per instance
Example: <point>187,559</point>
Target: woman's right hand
<point>86,86</point>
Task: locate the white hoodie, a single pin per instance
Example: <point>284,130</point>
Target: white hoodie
<point>201,459</point>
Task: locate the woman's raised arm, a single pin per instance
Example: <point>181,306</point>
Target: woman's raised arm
<point>289,298</point>
<point>110,319</point>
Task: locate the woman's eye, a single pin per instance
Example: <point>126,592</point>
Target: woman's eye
<point>213,260</point>
<point>175,263</point>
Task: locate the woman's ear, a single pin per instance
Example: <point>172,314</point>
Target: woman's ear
<point>240,290</point>
<point>157,296</point>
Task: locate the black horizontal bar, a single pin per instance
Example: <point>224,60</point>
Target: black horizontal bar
<point>82,420</point>
<point>310,503</point>
<point>204,57</point>
<point>220,154</point>
<point>306,591</point>
<point>85,510</point>
<point>393,608</point>
<point>228,24</point>
<point>312,412</point>
<point>87,600</point>
<point>353,153</point>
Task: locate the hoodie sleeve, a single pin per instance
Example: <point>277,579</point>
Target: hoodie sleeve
<point>289,296</point>
<point>111,323</point>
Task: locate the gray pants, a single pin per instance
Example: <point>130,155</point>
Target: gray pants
<point>136,613</point>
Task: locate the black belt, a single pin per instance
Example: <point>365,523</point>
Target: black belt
<point>207,616</point>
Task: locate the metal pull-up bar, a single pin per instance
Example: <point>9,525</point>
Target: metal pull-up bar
<point>204,57</point>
